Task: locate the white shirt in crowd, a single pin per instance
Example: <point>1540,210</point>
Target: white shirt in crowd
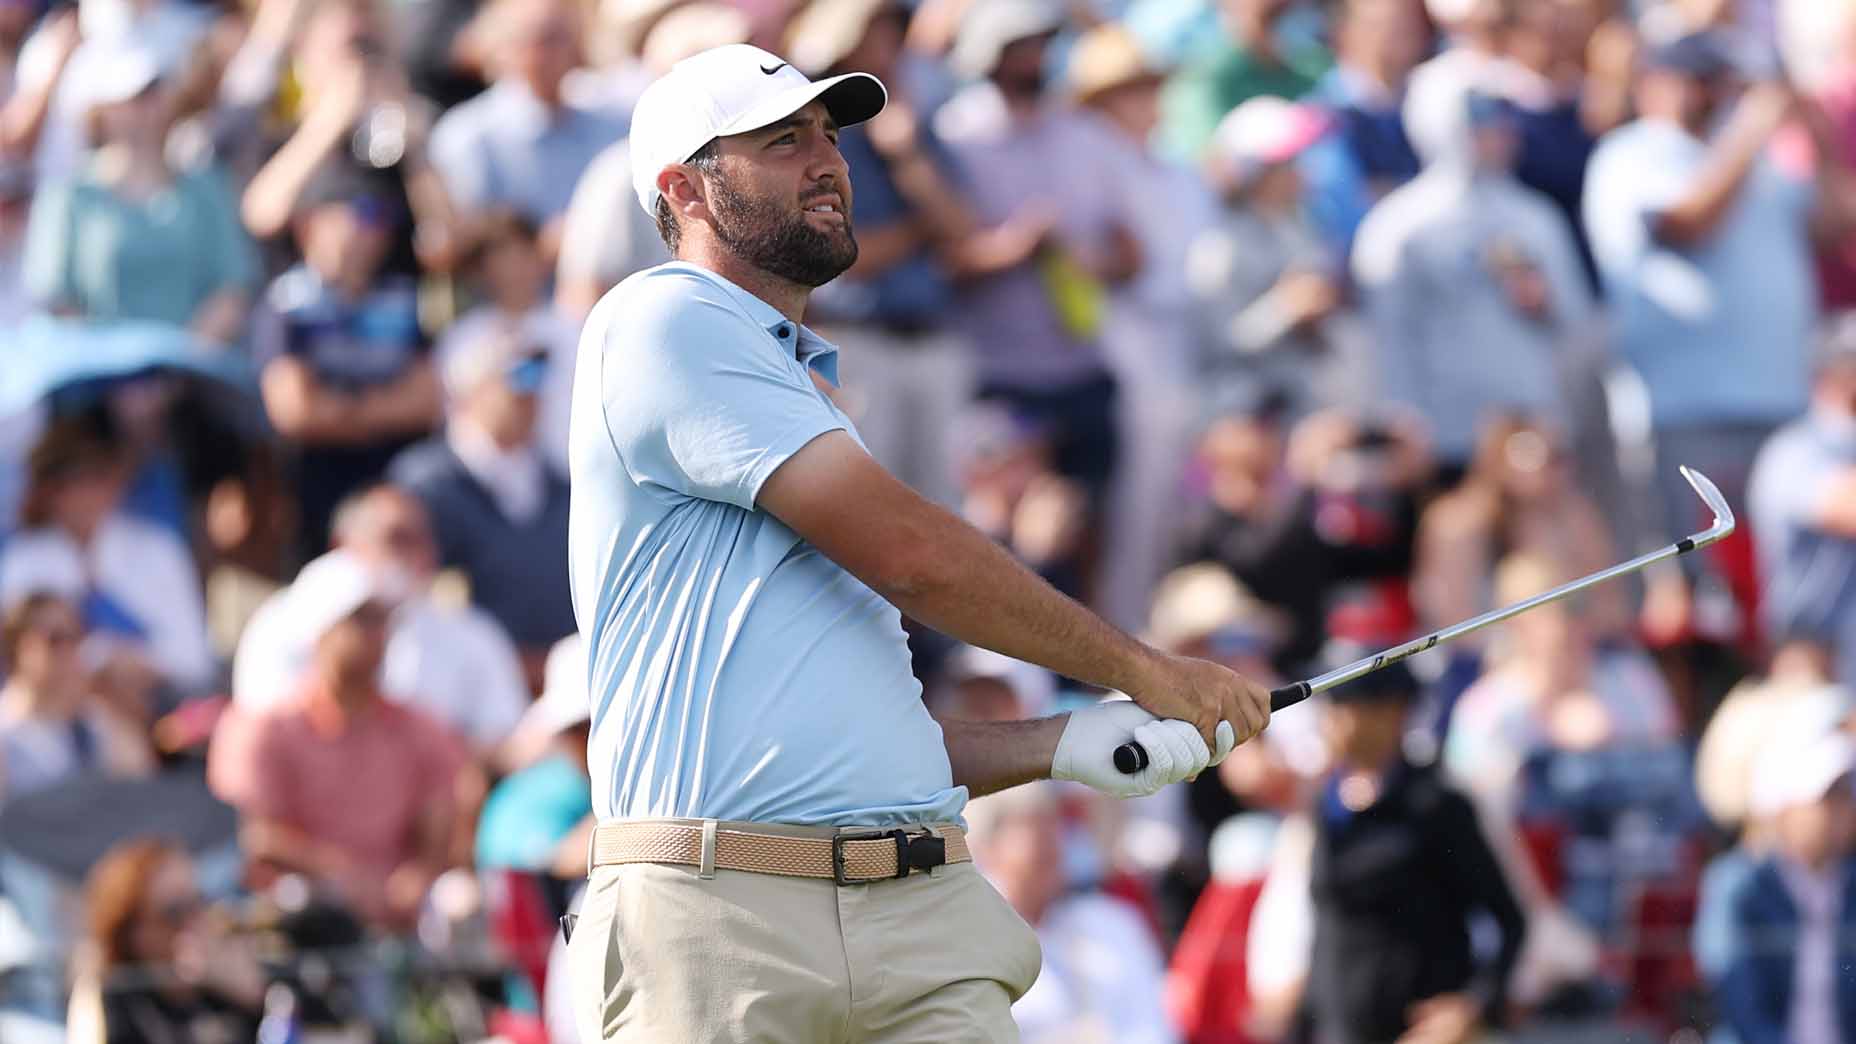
<point>455,664</point>
<point>514,478</point>
<point>543,328</point>
<point>1103,978</point>
<point>141,567</point>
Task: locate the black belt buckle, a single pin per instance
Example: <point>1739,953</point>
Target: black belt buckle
<point>923,852</point>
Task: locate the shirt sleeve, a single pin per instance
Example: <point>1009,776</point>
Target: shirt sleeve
<point>698,399</point>
<point>248,766</point>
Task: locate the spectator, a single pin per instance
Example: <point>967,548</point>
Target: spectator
<point>905,369</point>
<point>1465,256</point>
<point>130,237</point>
<point>338,783</point>
<point>1803,510</point>
<point>155,966</point>
<point>1037,326</point>
<point>1795,693</point>
<point>1553,688</point>
<point>497,503</point>
<point>134,583</point>
<point>1391,940</point>
<point>346,371</point>
<point>1377,43</point>
<point>67,58</point>
<point>540,819</point>
<point>1152,339</point>
<point>452,663</point>
<point>1521,496</point>
<point>52,728</point>
<point>1836,94</point>
<point>606,235</point>
<point>1297,517</point>
<point>520,144</point>
<point>1265,280</point>
<point>1103,975</point>
<point>1790,937</point>
<point>1705,250</point>
<point>1255,58</point>
<point>511,280</point>
<point>360,122</point>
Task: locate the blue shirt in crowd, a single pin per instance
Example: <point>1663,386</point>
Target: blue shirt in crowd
<point>911,296</point>
<point>504,148</point>
<point>1720,331</point>
<point>1810,574</point>
<point>736,672</point>
<point>349,344</point>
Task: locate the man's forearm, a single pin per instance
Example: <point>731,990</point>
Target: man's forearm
<point>989,756</point>
<point>975,591</point>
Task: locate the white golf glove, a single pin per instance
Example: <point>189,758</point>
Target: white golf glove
<point>1175,750</point>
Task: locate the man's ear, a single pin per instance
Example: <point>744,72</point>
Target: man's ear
<point>683,187</point>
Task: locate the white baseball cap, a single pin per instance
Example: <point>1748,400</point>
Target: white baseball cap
<point>333,587</point>
<point>1801,771</point>
<point>728,90</point>
<point>564,700</point>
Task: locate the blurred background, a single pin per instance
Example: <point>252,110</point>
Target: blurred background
<point>1277,331</point>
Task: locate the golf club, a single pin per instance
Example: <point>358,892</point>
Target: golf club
<point>1131,757</point>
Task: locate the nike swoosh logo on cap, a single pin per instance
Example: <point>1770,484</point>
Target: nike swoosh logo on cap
<point>773,70</point>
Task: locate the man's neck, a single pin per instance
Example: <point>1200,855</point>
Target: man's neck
<point>787,297</point>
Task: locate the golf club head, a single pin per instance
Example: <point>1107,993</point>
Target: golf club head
<point>1710,495</point>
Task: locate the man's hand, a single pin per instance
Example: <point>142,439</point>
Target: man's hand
<point>1204,693</point>
<point>1175,751</point>
<point>1448,1018</point>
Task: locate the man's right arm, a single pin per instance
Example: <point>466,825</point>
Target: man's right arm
<point>937,569</point>
<point>1732,158</point>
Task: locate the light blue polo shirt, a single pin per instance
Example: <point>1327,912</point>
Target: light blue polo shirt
<point>735,671</point>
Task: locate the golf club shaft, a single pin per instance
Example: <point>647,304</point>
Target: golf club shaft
<point>1131,757</point>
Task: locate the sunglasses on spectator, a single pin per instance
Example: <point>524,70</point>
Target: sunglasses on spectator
<point>525,375</point>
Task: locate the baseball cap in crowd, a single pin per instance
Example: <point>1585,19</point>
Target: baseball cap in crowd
<point>626,24</point>
<point>1703,55</point>
<point>1034,687</point>
<point>989,28</point>
<point>112,73</point>
<point>1107,57</point>
<point>692,29</point>
<point>731,90</point>
<point>1264,132</point>
<point>522,365</point>
<point>564,701</point>
<point>1205,603</point>
<point>825,32</point>
<point>1801,772</point>
<point>334,587</point>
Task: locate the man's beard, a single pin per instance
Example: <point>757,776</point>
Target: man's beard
<point>778,242</point>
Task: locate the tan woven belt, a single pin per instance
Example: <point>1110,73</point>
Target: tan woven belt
<point>851,857</point>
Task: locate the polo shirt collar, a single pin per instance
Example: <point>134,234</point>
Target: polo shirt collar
<point>796,338</point>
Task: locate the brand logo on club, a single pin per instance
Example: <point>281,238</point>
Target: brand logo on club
<point>774,69</point>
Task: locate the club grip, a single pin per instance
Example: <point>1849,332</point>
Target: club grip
<point>1131,757</point>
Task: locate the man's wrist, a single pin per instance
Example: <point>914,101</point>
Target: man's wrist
<point>1142,664</point>
<point>1048,740</point>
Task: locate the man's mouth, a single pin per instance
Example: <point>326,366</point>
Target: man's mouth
<point>827,205</point>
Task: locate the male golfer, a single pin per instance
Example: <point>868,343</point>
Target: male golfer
<point>779,856</point>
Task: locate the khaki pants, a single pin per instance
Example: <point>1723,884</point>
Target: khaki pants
<point>662,956</point>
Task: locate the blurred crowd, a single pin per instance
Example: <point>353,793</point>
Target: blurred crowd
<point>1278,331</point>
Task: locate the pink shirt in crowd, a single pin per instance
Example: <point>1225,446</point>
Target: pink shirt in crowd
<point>360,784</point>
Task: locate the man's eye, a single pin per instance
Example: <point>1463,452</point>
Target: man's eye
<point>785,139</point>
